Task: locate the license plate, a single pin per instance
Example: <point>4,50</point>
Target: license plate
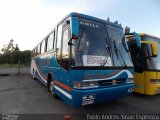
<point>87,102</point>
<point>88,99</point>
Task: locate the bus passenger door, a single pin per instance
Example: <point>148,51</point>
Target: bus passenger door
<point>63,59</point>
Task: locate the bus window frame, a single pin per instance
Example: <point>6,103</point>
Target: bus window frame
<point>43,46</point>
<point>64,28</point>
<point>63,24</point>
<point>53,41</point>
<point>46,45</point>
<point>58,53</point>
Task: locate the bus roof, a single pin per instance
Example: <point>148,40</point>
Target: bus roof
<point>145,34</point>
<point>74,14</point>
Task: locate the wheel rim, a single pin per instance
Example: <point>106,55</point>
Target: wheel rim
<point>51,87</point>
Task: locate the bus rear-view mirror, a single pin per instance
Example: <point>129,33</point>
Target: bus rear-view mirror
<point>134,38</point>
<point>138,39</point>
<point>74,27</point>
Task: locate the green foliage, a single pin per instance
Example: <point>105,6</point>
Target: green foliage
<point>15,57</point>
<point>9,48</point>
<point>12,54</point>
<point>5,58</point>
<point>25,57</point>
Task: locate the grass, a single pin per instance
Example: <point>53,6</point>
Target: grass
<point>6,65</point>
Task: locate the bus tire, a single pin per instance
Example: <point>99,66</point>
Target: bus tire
<point>33,76</point>
<point>51,87</point>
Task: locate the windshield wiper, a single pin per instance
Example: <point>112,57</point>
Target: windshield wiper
<point>106,52</point>
<point>118,53</point>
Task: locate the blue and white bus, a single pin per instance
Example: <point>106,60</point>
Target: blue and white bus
<point>84,60</point>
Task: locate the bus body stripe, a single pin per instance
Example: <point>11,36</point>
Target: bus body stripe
<point>63,92</point>
<point>130,75</point>
<point>42,74</point>
<point>63,85</point>
<point>42,77</point>
<point>57,82</point>
<point>109,75</point>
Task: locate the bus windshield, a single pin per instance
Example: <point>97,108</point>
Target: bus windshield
<point>152,63</point>
<point>95,46</point>
<point>120,55</point>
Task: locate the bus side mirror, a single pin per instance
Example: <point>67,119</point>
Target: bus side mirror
<point>74,27</point>
<point>154,47</point>
<point>135,39</point>
<point>138,39</point>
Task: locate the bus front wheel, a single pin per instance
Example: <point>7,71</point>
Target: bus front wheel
<point>51,89</point>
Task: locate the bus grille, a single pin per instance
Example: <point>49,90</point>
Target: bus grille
<point>111,82</point>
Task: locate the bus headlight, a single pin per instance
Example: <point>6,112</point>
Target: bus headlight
<point>130,80</point>
<point>91,84</point>
<point>85,85</point>
<point>77,85</point>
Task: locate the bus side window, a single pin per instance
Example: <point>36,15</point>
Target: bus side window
<point>54,38</point>
<point>50,42</point>
<point>43,47</point>
<point>38,49</point>
<point>46,44</point>
<point>58,46</point>
<point>65,49</point>
<point>34,51</point>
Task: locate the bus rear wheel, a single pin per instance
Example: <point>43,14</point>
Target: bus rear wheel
<point>34,78</point>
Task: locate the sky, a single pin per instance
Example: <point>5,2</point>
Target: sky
<point>27,22</point>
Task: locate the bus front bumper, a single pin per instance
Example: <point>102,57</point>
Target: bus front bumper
<point>152,89</point>
<point>99,95</point>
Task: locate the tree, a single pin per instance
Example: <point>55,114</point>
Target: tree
<point>15,55</point>
<point>25,57</point>
<point>16,48</point>
<point>8,48</point>
<point>5,58</point>
<point>10,53</point>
